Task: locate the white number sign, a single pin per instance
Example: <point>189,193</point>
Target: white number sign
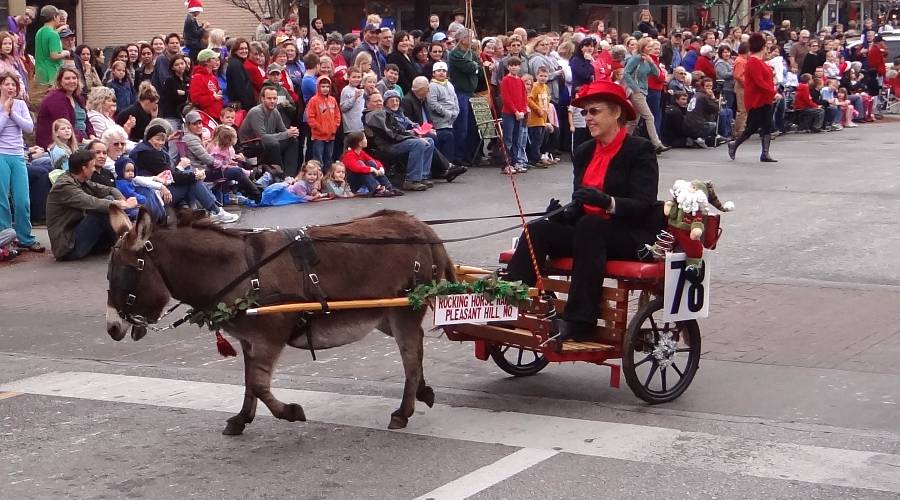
<point>684,299</point>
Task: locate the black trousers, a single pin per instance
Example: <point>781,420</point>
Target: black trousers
<point>760,119</point>
<point>590,241</point>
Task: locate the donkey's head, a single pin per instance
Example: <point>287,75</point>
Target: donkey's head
<point>137,290</point>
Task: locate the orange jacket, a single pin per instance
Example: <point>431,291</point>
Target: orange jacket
<point>323,114</point>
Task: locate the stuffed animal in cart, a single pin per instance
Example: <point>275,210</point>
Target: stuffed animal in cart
<point>686,213</point>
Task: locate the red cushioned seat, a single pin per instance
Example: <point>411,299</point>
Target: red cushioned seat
<point>624,269</point>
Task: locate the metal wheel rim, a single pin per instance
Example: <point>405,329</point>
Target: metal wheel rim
<point>664,364</point>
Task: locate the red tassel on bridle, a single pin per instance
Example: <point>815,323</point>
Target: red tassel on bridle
<point>224,346</point>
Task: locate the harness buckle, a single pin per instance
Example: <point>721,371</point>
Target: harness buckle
<point>416,267</point>
<point>314,278</point>
<point>148,246</point>
<point>129,301</point>
<point>254,284</point>
<point>140,264</point>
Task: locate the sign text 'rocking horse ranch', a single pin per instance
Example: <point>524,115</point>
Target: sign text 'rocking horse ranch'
<point>472,308</point>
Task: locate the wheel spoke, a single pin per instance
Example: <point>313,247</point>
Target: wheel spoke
<point>651,374</point>
<point>675,367</point>
<point>639,363</point>
<point>505,348</point>
<point>683,349</point>
<point>653,326</point>
<point>662,375</point>
<point>521,351</point>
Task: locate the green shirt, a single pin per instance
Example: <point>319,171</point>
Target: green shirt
<point>46,42</point>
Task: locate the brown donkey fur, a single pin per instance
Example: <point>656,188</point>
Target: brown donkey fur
<point>196,259</point>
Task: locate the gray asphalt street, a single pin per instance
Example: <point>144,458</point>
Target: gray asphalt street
<point>798,395</point>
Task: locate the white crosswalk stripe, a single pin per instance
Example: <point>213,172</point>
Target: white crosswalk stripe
<point>639,443</point>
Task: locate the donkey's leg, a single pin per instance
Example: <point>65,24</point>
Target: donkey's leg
<point>265,355</point>
<point>407,329</point>
<point>424,393</point>
<point>236,424</point>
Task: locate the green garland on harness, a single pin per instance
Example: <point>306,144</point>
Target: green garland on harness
<point>492,287</point>
<point>214,319</point>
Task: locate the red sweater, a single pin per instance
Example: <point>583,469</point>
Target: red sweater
<point>803,99</point>
<point>257,75</point>
<point>759,86</point>
<point>203,85</point>
<point>657,82</point>
<point>876,59</point>
<point>515,100</point>
<point>356,162</point>
<point>706,66</point>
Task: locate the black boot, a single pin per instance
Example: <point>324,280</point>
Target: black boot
<point>249,188</point>
<point>733,145</point>
<point>764,157</point>
<point>571,330</point>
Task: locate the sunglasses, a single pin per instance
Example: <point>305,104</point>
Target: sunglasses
<point>119,144</point>
<point>591,111</point>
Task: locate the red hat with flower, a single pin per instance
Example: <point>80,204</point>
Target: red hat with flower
<point>194,5</point>
<point>604,90</point>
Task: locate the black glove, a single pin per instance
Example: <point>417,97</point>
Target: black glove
<point>592,196</point>
<point>553,205</point>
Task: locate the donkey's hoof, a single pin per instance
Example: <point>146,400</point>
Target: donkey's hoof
<point>234,428</point>
<point>426,395</point>
<point>398,422</point>
<point>294,413</point>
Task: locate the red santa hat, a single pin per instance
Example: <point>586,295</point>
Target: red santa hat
<point>194,5</point>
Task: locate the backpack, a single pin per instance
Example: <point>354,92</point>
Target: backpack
<point>8,244</point>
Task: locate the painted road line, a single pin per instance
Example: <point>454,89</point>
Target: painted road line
<point>489,475</point>
<point>7,395</point>
<point>637,443</point>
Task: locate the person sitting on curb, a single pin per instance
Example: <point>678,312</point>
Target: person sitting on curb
<point>77,211</point>
<point>279,143</point>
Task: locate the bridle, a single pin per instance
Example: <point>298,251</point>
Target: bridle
<point>128,278</point>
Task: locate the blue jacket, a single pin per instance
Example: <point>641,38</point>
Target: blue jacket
<point>582,72</point>
<point>125,95</point>
<point>127,190</point>
<point>690,60</point>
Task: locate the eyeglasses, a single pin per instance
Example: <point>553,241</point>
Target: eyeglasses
<point>119,144</point>
<point>591,111</point>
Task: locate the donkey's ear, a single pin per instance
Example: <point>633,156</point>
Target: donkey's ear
<point>142,229</point>
<point>119,221</point>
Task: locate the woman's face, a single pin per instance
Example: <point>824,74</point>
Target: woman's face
<point>708,88</point>
<point>69,82</point>
<point>159,46</point>
<point>365,66</point>
<point>434,22</point>
<point>122,55</point>
<point>133,53</point>
<point>814,47</point>
<point>587,51</point>
<point>422,56</point>
<point>543,46</point>
<point>436,53</point>
<point>100,153</point>
<point>243,50</point>
<point>290,51</point>
<point>318,24</point>
<point>632,45</point>
<point>150,107</point>
<point>258,58</point>
<point>326,67</point>
<point>157,141</point>
<point>146,56</point>
<point>645,16</point>
<point>601,118</point>
<point>403,45</point>
<point>334,49</point>
<point>489,49</point>
<point>515,47</point>
<point>9,88</point>
<point>726,54</point>
<point>281,58</point>
<point>213,64</point>
<point>179,66</point>
<point>7,45</point>
<point>736,34</point>
<point>654,49</point>
<point>109,107</point>
<point>115,148</point>
<point>317,47</point>
<point>84,55</point>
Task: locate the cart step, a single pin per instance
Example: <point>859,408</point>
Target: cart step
<point>573,346</point>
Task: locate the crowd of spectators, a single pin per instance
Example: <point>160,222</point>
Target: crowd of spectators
<point>187,118</point>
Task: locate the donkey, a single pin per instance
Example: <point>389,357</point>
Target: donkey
<point>195,260</point>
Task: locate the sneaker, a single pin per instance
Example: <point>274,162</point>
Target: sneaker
<point>521,169</point>
<point>223,217</point>
<point>413,186</point>
<point>428,183</point>
<point>662,149</point>
<point>701,143</point>
<point>838,128</point>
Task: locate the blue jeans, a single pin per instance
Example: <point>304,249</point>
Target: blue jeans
<point>726,116</point>
<point>446,143</point>
<point>515,135</point>
<point>14,176</point>
<point>370,181</point>
<point>461,129</point>
<point>654,101</point>
<point>323,151</point>
<point>418,162</point>
<point>197,192</point>
<point>535,141</point>
<point>93,233</point>
<point>39,186</point>
<point>780,107</point>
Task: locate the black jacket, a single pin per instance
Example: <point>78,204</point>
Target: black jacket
<point>632,179</point>
<point>674,131</point>
<point>240,90</point>
<point>407,70</point>
<point>412,107</point>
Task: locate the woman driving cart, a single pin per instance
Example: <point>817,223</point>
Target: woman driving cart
<point>612,212</point>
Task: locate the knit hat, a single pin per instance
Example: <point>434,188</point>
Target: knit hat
<point>120,165</point>
<point>154,131</point>
<point>194,5</point>
<point>440,65</point>
<point>711,197</point>
<point>391,93</point>
<point>207,54</point>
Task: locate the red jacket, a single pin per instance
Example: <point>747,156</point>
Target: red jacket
<point>706,66</point>
<point>257,75</point>
<point>759,84</point>
<point>803,99</point>
<point>876,59</point>
<point>515,99</point>
<point>323,114</point>
<point>356,162</point>
<point>203,85</point>
<point>657,82</point>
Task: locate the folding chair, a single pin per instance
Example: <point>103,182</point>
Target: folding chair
<point>485,124</point>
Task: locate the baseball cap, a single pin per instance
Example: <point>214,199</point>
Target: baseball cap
<point>192,117</point>
<point>438,37</point>
<point>66,33</point>
<point>206,55</point>
<point>440,65</point>
<point>391,93</point>
<point>273,68</point>
<point>372,27</point>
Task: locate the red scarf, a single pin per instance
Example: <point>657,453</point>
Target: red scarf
<point>595,174</point>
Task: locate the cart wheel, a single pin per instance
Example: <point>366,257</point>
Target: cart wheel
<point>517,361</point>
<point>659,358</point>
